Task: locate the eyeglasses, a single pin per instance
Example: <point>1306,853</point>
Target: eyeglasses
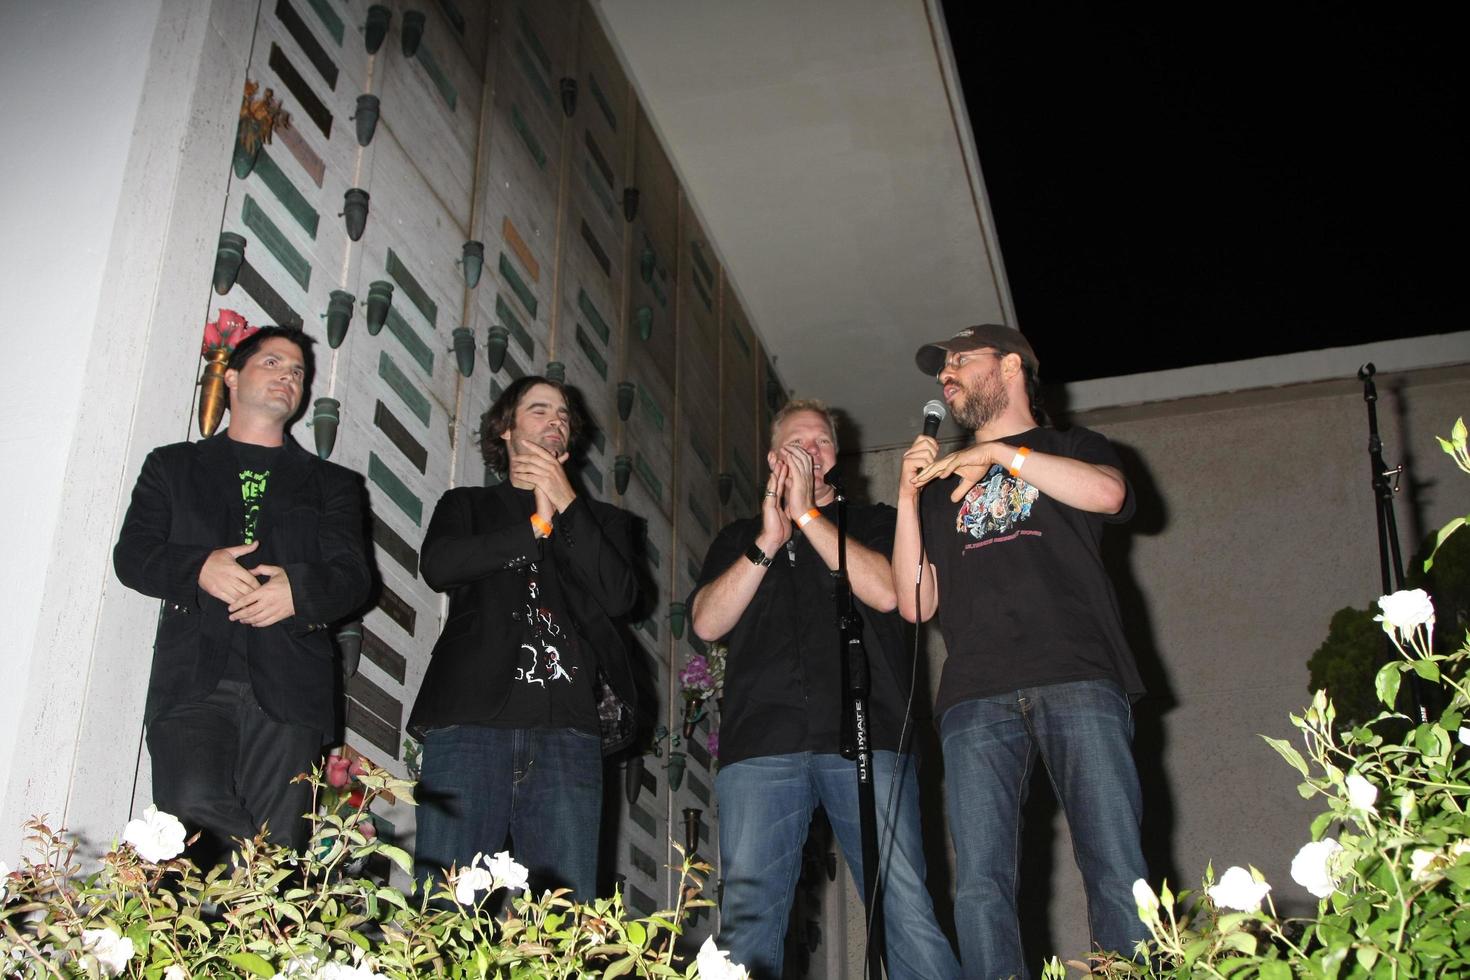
<point>953,356</point>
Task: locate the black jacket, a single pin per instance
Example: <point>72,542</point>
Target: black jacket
<point>476,542</point>
<point>186,504</point>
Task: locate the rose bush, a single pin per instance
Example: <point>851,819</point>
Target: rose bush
<point>278,915</point>
<point>1388,858</point>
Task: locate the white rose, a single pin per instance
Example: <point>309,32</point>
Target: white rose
<point>1464,735</point>
<point>1312,866</point>
<point>111,950</point>
<point>175,972</point>
<point>1361,793</point>
<point>156,836</point>
<point>297,966</point>
<point>1147,902</point>
<point>1459,847</point>
<point>714,964</point>
<point>1238,889</point>
<point>507,873</point>
<point>1419,863</point>
<point>1404,610</point>
<point>469,881</point>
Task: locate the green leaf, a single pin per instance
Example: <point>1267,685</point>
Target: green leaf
<point>398,856</point>
<point>1386,684</point>
<point>637,935</point>
<point>1427,669</point>
<point>1291,755</point>
<point>1445,532</point>
<point>1241,942</point>
<point>256,964</point>
<point>618,969</point>
<point>1274,970</point>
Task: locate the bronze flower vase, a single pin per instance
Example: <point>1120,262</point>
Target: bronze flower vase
<point>339,315</point>
<point>464,350</point>
<point>693,711</point>
<point>556,371</point>
<point>326,413</point>
<point>677,762</point>
<point>497,339</point>
<point>244,158</point>
<point>380,297</point>
<point>633,778</point>
<point>213,395</point>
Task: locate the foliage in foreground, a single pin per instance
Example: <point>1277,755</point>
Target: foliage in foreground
<point>149,913</point>
<point>1388,858</point>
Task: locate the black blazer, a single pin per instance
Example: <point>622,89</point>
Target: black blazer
<point>477,539</point>
<point>186,504</point>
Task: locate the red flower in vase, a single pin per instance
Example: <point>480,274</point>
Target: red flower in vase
<point>226,332</point>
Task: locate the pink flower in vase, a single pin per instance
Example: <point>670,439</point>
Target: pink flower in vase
<point>226,332</point>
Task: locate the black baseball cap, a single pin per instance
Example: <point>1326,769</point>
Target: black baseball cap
<point>930,357</point>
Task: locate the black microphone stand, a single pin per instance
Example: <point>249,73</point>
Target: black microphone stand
<point>855,743</point>
<point>1390,561</point>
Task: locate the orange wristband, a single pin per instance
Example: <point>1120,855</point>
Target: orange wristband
<point>808,517</point>
<point>542,525</point>
<point>1018,461</point>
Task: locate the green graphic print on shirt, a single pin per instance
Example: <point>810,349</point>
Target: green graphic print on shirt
<point>252,492</point>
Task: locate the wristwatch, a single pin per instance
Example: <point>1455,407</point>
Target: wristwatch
<point>757,556</point>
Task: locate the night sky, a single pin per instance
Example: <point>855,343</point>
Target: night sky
<point>1171,190</point>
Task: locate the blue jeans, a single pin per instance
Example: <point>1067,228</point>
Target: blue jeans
<point>1083,732</point>
<point>543,786</point>
<point>766,806</point>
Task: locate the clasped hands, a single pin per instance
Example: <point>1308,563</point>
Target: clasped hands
<point>790,492</point>
<point>250,601</point>
<point>542,470</point>
<point>920,467</point>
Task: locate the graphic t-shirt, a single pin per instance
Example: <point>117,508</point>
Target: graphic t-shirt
<point>1024,599</point>
<point>554,681</point>
<point>255,464</point>
<point>254,469</point>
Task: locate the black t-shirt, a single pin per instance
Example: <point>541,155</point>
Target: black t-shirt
<point>1023,597</point>
<point>254,464</point>
<point>783,674</point>
<point>554,682</point>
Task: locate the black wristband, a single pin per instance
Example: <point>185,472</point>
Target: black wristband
<point>757,556</point>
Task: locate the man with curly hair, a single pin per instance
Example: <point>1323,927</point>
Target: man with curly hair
<point>529,680</point>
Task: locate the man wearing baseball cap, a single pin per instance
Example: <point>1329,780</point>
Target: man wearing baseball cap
<point>1008,531</point>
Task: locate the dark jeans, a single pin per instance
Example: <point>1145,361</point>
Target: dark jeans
<point>1083,732</point>
<point>542,786</point>
<point>224,767</point>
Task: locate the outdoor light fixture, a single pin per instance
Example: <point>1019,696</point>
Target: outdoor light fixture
<point>380,297</point>
<point>339,315</point>
<point>228,256</point>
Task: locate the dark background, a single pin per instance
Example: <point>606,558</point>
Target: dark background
<point>1183,185</point>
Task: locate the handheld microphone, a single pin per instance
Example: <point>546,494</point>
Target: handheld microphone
<point>934,413</point>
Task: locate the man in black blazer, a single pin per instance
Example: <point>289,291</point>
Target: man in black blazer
<point>529,679</point>
<point>255,546</point>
